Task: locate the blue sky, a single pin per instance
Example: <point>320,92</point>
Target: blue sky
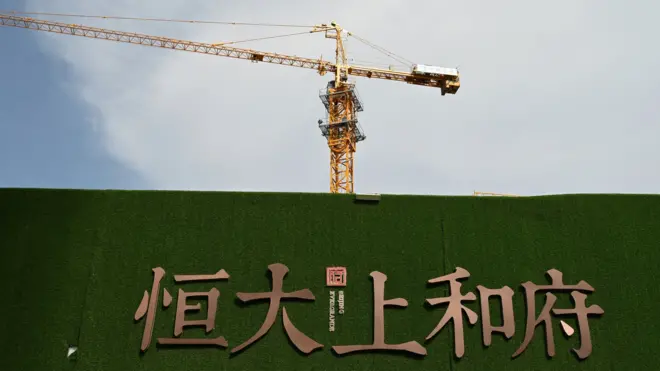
<point>556,97</point>
<point>46,139</point>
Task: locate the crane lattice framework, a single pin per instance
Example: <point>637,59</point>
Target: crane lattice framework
<point>341,126</point>
<point>340,98</point>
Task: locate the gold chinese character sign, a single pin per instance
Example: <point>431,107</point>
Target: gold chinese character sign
<point>455,312</point>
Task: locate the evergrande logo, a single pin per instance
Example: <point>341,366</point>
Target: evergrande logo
<point>335,276</point>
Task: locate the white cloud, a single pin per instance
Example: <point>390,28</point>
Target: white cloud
<point>556,97</point>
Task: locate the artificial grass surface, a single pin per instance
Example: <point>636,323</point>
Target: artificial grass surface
<point>76,263</point>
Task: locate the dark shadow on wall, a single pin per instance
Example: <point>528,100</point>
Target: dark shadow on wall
<point>45,267</point>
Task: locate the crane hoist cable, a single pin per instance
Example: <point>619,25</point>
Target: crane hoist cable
<point>264,38</point>
<point>157,19</point>
<point>382,50</point>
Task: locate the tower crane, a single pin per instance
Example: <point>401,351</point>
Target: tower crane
<point>340,99</point>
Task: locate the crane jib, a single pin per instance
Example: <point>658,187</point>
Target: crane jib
<point>451,83</point>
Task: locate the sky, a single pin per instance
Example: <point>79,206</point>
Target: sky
<point>556,97</point>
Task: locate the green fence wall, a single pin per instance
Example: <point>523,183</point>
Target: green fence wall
<point>75,265</point>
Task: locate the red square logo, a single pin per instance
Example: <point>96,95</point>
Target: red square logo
<point>335,276</point>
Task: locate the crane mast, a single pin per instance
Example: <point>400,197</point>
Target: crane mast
<point>340,98</point>
<point>341,126</point>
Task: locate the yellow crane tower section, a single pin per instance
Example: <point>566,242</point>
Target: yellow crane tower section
<point>340,98</point>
